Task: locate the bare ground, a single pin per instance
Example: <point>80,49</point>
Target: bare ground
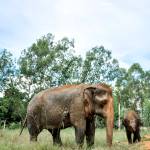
<point>146,142</point>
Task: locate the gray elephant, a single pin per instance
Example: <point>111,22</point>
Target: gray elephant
<point>71,105</point>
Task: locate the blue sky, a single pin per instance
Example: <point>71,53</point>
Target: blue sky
<point>120,26</point>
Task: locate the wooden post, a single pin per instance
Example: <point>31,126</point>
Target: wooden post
<point>4,124</point>
<point>119,121</point>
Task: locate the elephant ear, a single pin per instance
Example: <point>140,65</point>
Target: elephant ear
<point>94,95</point>
<point>139,122</point>
<point>88,103</point>
<point>125,122</point>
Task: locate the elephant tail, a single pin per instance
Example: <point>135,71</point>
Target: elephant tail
<point>25,120</point>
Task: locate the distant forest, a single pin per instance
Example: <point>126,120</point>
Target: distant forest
<point>49,63</point>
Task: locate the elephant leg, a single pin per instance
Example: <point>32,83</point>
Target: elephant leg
<point>33,128</point>
<point>34,132</point>
<point>90,131</point>
<point>128,133</point>
<point>56,136</point>
<point>137,137</point>
<point>134,137</point>
<point>33,138</point>
<point>79,134</point>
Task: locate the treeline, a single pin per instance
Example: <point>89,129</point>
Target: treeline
<point>49,63</point>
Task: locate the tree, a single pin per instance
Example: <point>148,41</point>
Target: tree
<point>130,87</point>
<point>146,105</point>
<point>6,68</point>
<point>12,105</point>
<point>146,113</point>
<point>146,81</point>
<point>99,66</point>
<point>47,63</point>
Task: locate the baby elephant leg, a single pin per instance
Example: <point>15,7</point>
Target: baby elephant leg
<point>137,137</point>
<point>128,133</point>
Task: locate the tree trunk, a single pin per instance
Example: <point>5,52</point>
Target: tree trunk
<point>119,122</point>
<point>4,124</point>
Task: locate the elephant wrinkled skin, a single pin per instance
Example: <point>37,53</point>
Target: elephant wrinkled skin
<point>71,105</point>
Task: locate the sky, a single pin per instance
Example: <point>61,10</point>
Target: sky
<point>120,26</point>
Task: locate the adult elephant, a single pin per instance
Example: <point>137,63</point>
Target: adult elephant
<point>71,105</point>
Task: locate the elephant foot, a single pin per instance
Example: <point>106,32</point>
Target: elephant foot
<point>33,138</point>
<point>57,143</point>
<point>79,133</point>
<point>79,146</point>
<point>89,147</point>
<point>130,142</point>
<point>90,141</point>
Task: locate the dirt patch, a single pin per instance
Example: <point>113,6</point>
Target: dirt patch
<point>146,142</point>
<point>146,137</point>
<point>146,145</point>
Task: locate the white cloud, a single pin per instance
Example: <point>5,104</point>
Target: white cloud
<point>121,26</point>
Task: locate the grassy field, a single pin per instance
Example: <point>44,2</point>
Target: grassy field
<point>9,140</point>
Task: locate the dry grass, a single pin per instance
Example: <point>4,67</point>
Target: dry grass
<point>10,140</point>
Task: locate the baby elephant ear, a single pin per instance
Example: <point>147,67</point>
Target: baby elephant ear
<point>123,122</point>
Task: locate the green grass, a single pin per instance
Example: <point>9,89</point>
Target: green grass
<point>10,140</point>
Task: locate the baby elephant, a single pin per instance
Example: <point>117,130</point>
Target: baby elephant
<point>132,124</point>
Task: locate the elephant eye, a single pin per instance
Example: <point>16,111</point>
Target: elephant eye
<point>101,100</point>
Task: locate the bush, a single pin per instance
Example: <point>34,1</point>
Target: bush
<point>146,113</point>
<point>14,125</point>
<point>100,122</point>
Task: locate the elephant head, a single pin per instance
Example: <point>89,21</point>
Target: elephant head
<point>98,100</point>
<point>132,121</point>
<point>130,124</point>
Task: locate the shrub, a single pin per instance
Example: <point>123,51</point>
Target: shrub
<point>14,125</point>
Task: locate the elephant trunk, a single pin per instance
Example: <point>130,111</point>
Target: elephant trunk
<point>110,124</point>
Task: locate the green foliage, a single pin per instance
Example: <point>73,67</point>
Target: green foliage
<point>100,122</point>
<point>116,112</point>
<point>99,66</point>
<point>6,68</point>
<point>146,114</point>
<point>48,63</point>
<point>12,106</point>
<point>14,125</point>
<point>133,86</point>
<point>130,86</point>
